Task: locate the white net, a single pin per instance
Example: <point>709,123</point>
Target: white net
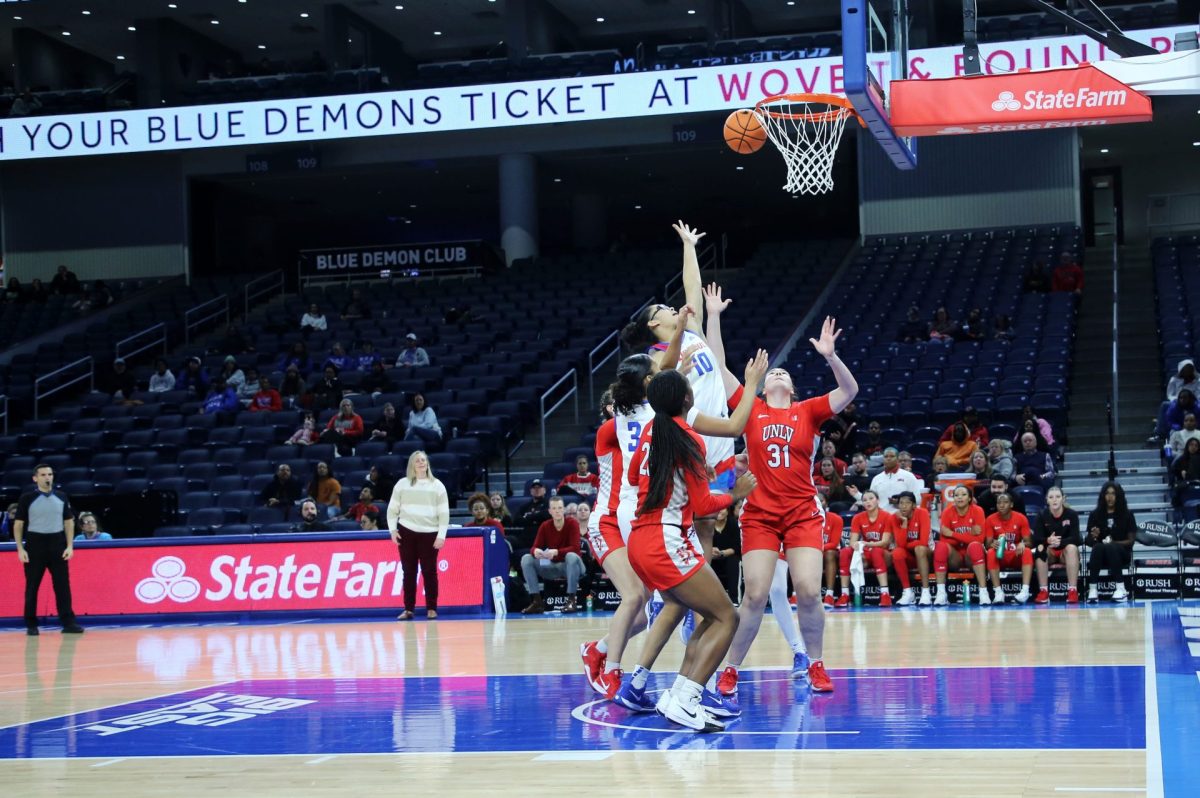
<point>807,134</point>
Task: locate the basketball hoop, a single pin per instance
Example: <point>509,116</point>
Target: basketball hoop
<point>806,129</point>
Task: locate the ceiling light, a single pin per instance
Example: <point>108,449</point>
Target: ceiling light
<point>262,47</point>
<point>740,168</point>
<point>66,33</point>
<point>19,19</point>
<point>691,11</point>
<point>86,13</point>
<point>558,180</point>
<point>437,33</point>
<point>172,5</point>
<point>1196,143</point>
<point>120,58</point>
<point>1104,151</point>
<point>131,27</point>
<point>412,206</point>
<point>637,207</point>
<point>601,19</point>
<point>215,21</point>
<point>399,8</point>
<point>303,15</point>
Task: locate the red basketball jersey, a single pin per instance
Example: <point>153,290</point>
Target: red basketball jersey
<point>831,535</point>
<point>960,526</point>
<point>914,530</point>
<point>872,531</point>
<point>1016,528</point>
<point>611,467</point>
<point>687,493</point>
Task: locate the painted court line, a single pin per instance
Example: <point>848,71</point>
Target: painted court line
<point>1154,768</point>
<point>109,762</point>
<point>1099,789</point>
<point>321,759</point>
<point>574,756</point>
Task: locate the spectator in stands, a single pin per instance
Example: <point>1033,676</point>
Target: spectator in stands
<point>943,327</point>
<point>306,434</point>
<point>1002,329</point>
<point>89,528</point>
<point>324,488</point>
<point>357,307</point>
<point>893,480</point>
<point>412,355</point>
<point>388,427</point>
<point>339,359</point>
<point>221,401</point>
<point>830,484</point>
<point>234,342</point>
<point>1111,532</point>
<point>65,282</point>
<point>959,448</point>
<point>976,431</point>
<point>367,357</point>
<point>912,330</point>
<point>481,509</point>
<point>365,504</point>
<point>310,518</point>
<point>583,514</point>
<point>858,475</point>
<point>313,320</point>
<point>233,376</point>
<point>583,483</point>
<point>533,516</point>
<point>555,554</point>
<point>297,356</point>
<point>162,380</point>
<point>981,467</point>
<point>26,104</point>
<point>293,387</point>
<point>1031,426</point>
<point>379,481</point>
<point>1185,379</point>
<point>14,291</point>
<point>874,443</point>
<point>937,466</point>
<point>905,459</point>
<point>1184,403</point>
<point>1044,431</point>
<point>328,391</point>
<point>267,399</point>
<point>498,508</point>
<point>345,430</point>
<point>95,298</point>
<point>986,496</point>
<point>369,521</point>
<point>37,292</point>
<point>1186,467</point>
<point>1180,437</point>
<point>1000,457</point>
<point>726,554</point>
<point>376,381</point>
<point>974,328</point>
<point>1038,282</point>
<point>1031,466</point>
<point>829,449</point>
<point>249,387</point>
<point>1068,276</point>
<point>283,491</point>
<point>422,422</point>
<point>6,522</point>
<point>1056,538</point>
<point>840,430</point>
<point>118,382</point>
<point>418,517</point>
<point>193,379</point>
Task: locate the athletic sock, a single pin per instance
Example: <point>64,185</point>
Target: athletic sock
<point>602,645</point>
<point>680,680</point>
<point>688,693</point>
<point>883,591</point>
<point>828,592</point>
<point>711,684</point>
<point>611,666</point>
<point>640,676</point>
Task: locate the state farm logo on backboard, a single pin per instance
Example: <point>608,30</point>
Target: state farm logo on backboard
<point>1006,102</point>
<point>167,580</point>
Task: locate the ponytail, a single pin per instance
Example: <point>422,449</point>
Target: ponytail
<point>671,447</point>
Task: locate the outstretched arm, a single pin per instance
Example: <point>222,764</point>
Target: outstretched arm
<point>847,386</point>
<point>714,305</point>
<point>691,270</point>
<point>669,358</point>
<point>733,426</point>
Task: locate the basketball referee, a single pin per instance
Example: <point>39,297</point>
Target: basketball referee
<point>45,533</point>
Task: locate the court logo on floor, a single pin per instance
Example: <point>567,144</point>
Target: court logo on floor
<point>214,709</point>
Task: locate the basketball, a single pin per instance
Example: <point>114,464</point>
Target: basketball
<point>743,132</point>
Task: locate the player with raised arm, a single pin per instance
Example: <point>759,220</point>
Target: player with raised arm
<point>781,441</point>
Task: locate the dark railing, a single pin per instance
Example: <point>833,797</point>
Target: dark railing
<point>149,339</point>
<point>268,284</point>
<point>203,313</point>
<point>89,374</point>
<point>4,411</point>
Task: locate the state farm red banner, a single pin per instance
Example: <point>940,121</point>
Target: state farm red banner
<point>296,575</point>
<point>1082,96</point>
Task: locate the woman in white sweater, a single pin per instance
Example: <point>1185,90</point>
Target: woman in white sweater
<point>418,516</point>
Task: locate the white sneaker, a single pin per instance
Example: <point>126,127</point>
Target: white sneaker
<point>906,598</point>
<point>693,717</point>
<point>1000,597</point>
<point>984,600</point>
<point>664,699</point>
<point>926,597</point>
<point>1120,594</point>
<point>1023,596</point>
<point>1093,593</point>
<point>941,600</point>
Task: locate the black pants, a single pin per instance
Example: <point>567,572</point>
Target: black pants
<point>417,547</point>
<point>45,552</point>
<point>728,572</point>
<point>1108,556</point>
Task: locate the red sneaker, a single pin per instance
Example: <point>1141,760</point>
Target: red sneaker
<point>611,682</point>
<point>1043,597</point>
<point>593,665</point>
<point>818,678</point>
<point>885,599</point>
<point>792,600</point>
<point>829,600</point>
<point>727,683</point>
<point>843,600</point>
<point>1072,596</point>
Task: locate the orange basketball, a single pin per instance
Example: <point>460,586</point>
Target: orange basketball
<point>743,132</point>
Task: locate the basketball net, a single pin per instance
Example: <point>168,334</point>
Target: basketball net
<point>806,129</point>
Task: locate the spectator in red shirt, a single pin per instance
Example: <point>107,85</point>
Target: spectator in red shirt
<point>829,449</point>
<point>975,429</point>
<point>555,555</point>
<point>365,504</point>
<point>267,398</point>
<point>481,509</point>
<point>344,430</point>
<point>582,483</point>
<point>1068,276</point>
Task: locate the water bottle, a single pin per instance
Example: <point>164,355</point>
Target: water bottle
<point>966,593</point>
<point>857,598</point>
<point>1003,545</point>
<point>589,602</point>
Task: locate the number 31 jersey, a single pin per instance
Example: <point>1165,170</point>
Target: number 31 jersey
<point>781,444</point>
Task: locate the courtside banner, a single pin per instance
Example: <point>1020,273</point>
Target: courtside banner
<point>578,99</point>
<point>1081,96</point>
<point>294,575</point>
<point>375,260</point>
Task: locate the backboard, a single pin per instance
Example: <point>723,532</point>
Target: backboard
<point>874,53</point>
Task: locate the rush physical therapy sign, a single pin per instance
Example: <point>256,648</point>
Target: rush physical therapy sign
<point>297,575</point>
<point>443,109</point>
<point>1082,96</point>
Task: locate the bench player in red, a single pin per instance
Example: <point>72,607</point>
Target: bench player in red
<point>911,525</point>
<point>872,530</point>
<point>1008,532</point>
<point>831,541</point>
<point>961,540</point>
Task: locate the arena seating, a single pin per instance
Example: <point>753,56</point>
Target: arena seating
<point>1021,27</point>
<point>1177,287</point>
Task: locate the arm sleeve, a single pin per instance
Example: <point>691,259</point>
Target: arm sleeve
<point>571,528</point>
<point>393,508</point>
<point>1039,530</point>
<point>1074,537</point>
<point>1025,531</point>
<point>735,398</point>
<point>701,498</point>
<point>539,540</point>
<point>23,508</point>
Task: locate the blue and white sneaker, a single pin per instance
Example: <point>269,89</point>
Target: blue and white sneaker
<point>800,663</point>
<point>720,706</point>
<point>687,626</point>
<point>653,607</point>
<point>633,698</point>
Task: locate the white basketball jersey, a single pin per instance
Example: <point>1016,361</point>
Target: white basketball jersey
<point>629,431</point>
<point>708,394</point>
